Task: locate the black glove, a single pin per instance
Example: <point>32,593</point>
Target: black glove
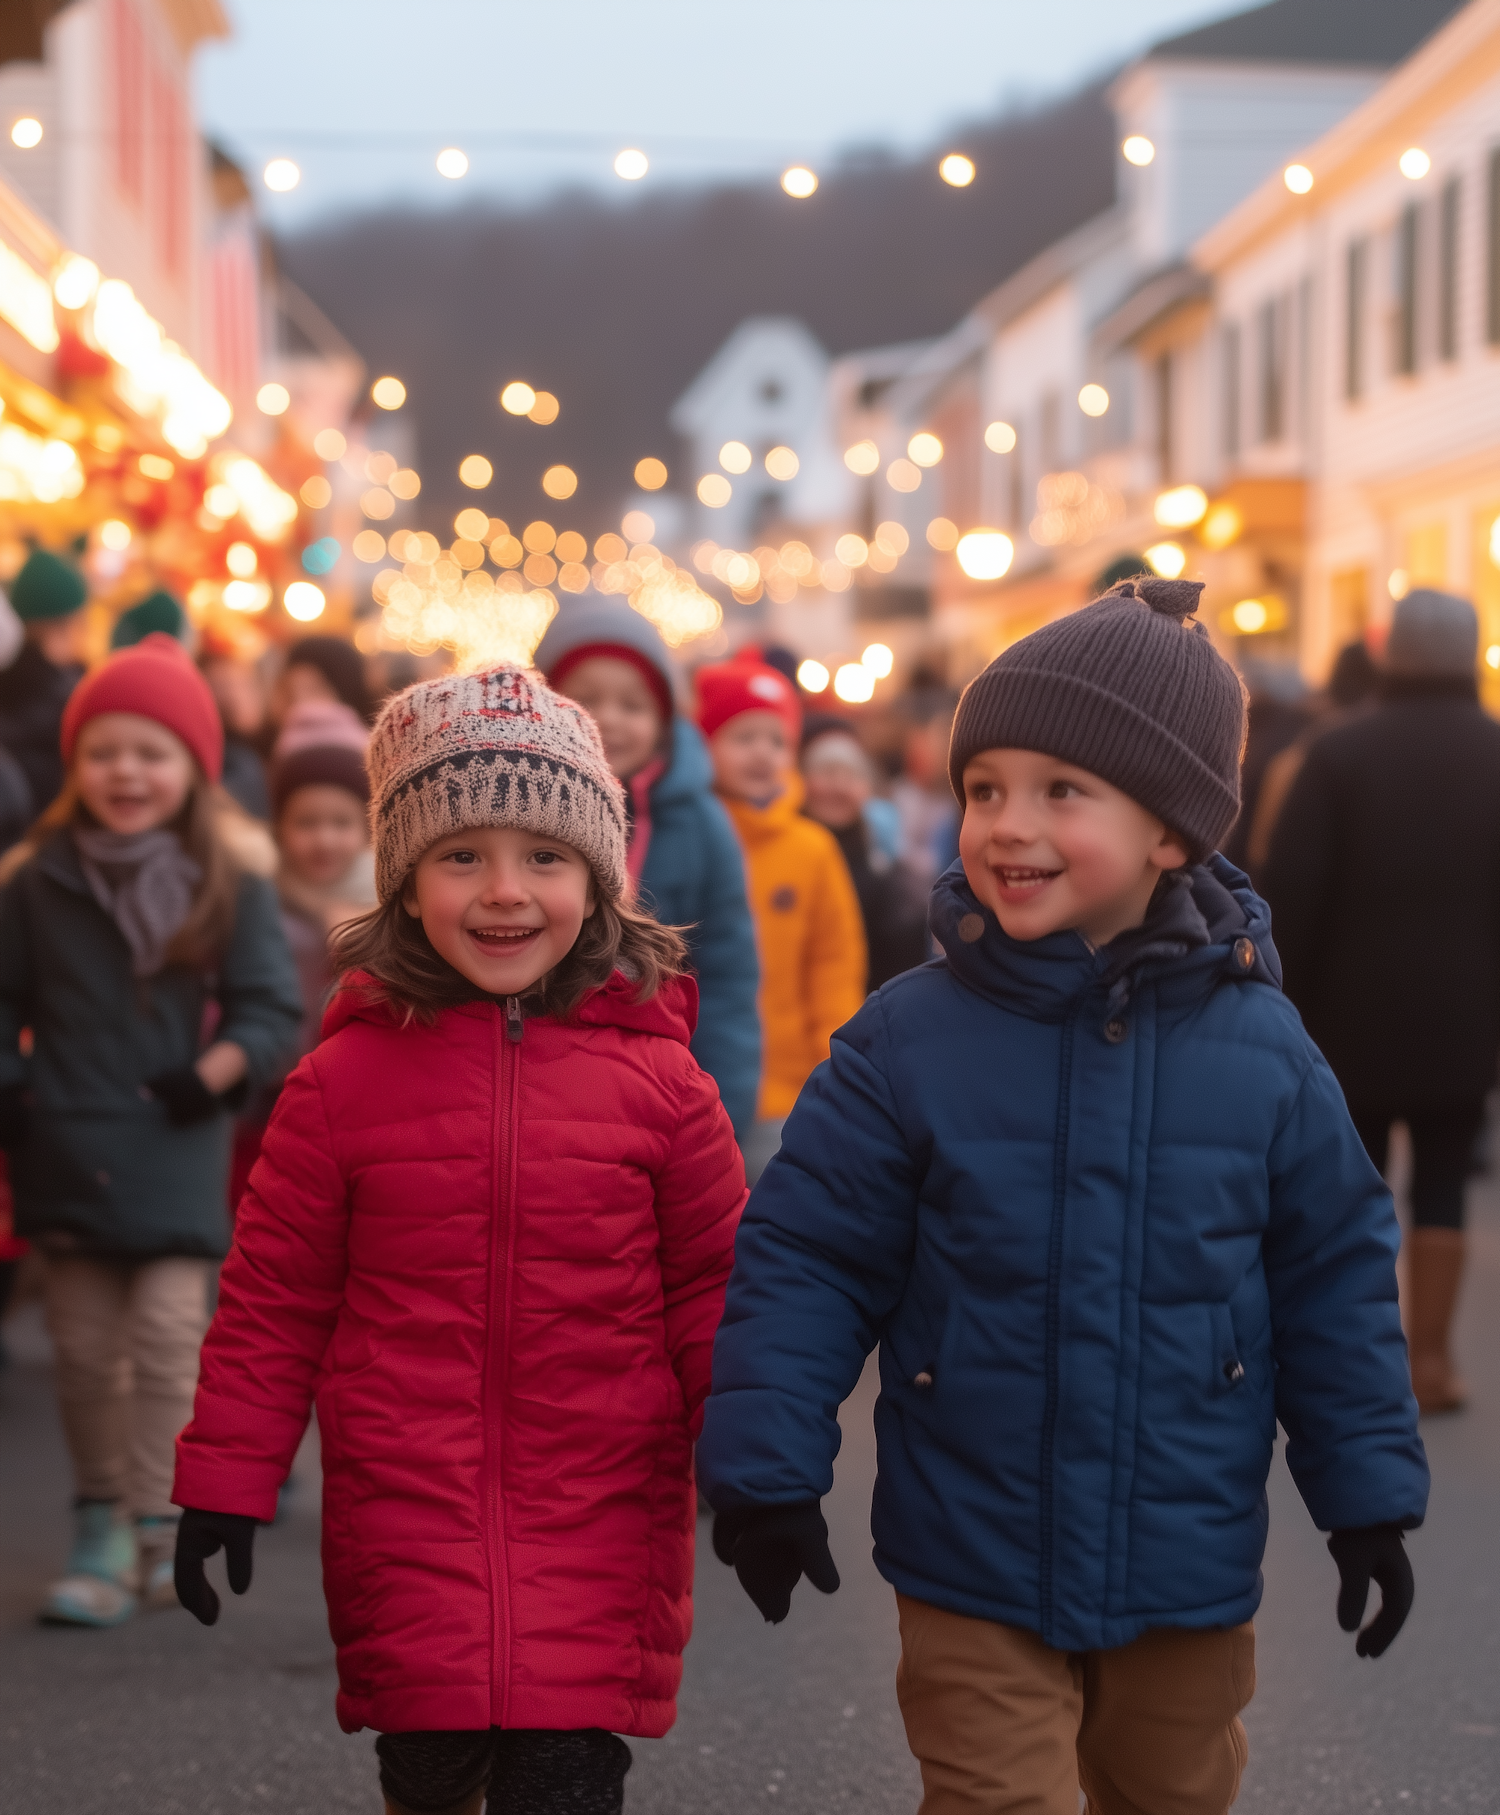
<point>184,1096</point>
<point>771,1547</point>
<point>200,1535</point>
<point>15,1116</point>
<point>1373,1553</point>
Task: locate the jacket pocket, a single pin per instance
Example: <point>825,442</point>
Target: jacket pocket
<point>1227,1367</point>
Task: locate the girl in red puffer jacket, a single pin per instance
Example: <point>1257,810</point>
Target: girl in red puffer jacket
<point>488,1234</point>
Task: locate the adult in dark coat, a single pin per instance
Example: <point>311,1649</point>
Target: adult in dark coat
<point>1384,882</point>
<point>892,899</point>
<point>47,596</point>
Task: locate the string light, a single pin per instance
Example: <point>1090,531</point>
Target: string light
<point>631,165</point>
<point>650,474</point>
<point>1298,178</point>
<point>517,398</point>
<point>388,393</point>
<point>799,182</point>
<point>281,175</point>
<point>956,170</point>
<point>452,163</point>
<point>26,133</point>
<point>986,554</point>
<point>1000,438</point>
<point>273,399</point>
<point>1138,150</point>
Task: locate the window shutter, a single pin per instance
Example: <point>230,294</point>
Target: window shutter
<point>1407,236</point>
<point>1448,269</point>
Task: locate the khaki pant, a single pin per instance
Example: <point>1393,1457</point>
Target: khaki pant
<point>126,1336</point>
<point>1002,1724</point>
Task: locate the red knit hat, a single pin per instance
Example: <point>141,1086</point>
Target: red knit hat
<point>661,691</point>
<point>730,688</point>
<point>157,679</point>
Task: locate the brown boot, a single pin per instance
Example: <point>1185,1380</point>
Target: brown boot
<point>1435,1264</point>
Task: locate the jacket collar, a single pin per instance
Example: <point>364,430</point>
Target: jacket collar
<point>755,823</point>
<point>689,770</point>
<point>672,1012</point>
<point>1198,931</point>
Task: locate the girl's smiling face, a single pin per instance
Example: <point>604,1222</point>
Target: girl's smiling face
<point>503,907</point>
<point>131,773</point>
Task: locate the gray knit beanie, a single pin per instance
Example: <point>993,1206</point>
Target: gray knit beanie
<point>493,749</point>
<point>1130,690</point>
<point>1434,634</point>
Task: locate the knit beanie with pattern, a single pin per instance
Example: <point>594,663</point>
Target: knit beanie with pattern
<point>493,749</point>
<point>1131,690</point>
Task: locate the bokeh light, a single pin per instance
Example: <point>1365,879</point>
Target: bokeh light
<point>380,466</point>
<point>957,170</point>
<point>114,534</point>
<point>942,534</point>
<point>76,282</point>
<point>559,482</point>
<point>925,449</point>
<point>714,490</point>
<point>388,393</point>
<point>1166,558</point>
<point>544,409</point>
<point>854,684</point>
<point>891,538</point>
<point>863,458</point>
<point>539,538</point>
<point>517,398</point>
<point>611,547</point>
<point>304,601</point>
<point>506,551</point>
<point>631,164</point>
<point>986,554</point>
<point>1000,437</point>
<point>1415,163</point>
<point>475,524</point>
<point>1093,400</point>
<point>241,560</point>
<point>26,133</point>
<point>903,476</point>
<point>247,595</point>
<point>316,493</point>
<point>734,457</point>
<point>571,547</point>
<point>452,163</point>
<point>1138,150</point>
<point>369,545</point>
<point>1298,178</point>
<point>799,182</point>
<point>378,503</point>
<point>475,472</point>
<point>812,676</point>
<point>879,660</point>
<point>650,474</point>
<point>329,444</point>
<point>852,550</point>
<point>405,483</point>
<point>782,463</point>
<point>637,526</point>
<point>1180,507</point>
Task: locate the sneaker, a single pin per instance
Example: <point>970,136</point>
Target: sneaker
<point>98,1586</point>
<point>156,1542</point>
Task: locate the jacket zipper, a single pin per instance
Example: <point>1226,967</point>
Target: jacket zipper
<point>1054,1318</point>
<point>502,1235</point>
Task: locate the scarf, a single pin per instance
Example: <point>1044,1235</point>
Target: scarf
<point>144,881</point>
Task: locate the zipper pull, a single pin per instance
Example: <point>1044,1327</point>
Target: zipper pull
<point>514,1025</point>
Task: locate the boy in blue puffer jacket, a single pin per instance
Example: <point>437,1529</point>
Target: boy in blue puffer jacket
<point>1097,1197</point>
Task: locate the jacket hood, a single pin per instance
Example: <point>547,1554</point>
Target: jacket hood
<point>765,822</point>
<point>672,1012</point>
<point>690,770</point>
<point>1210,926</point>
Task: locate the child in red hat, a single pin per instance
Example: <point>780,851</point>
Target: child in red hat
<point>156,983</point>
<point>807,919</point>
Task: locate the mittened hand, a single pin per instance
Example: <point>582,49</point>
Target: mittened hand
<point>1365,1554</point>
<point>771,1548</point>
<point>199,1536</point>
<point>184,1096</point>
<point>15,1117</point>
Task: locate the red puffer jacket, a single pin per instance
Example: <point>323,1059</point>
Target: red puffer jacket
<point>498,1265</point>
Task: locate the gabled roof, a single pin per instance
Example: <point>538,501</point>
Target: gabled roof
<point>1356,32</point>
<point>751,341</point>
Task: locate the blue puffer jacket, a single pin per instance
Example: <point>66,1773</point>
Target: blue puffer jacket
<point>1107,1228</point>
<point>695,877</point>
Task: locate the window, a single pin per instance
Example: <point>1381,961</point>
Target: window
<point>1163,373</point>
<point>1408,236</point>
<point>1448,222</point>
<point>1357,260</point>
<point>1492,296</point>
<point>129,98</point>
<point>1271,377</point>
<point>1230,353</point>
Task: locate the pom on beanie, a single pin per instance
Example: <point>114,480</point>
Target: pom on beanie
<point>47,587</point>
<point>160,611</point>
<point>727,689</point>
<point>498,748</point>
<point>321,744</point>
<point>1129,689</point>
<point>156,679</point>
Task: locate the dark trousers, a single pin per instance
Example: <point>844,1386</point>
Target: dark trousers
<point>527,1771</point>
<point>1442,1155</point>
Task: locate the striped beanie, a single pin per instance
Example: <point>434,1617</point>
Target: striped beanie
<point>498,748</point>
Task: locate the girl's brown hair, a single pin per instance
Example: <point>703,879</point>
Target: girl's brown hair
<point>202,939</point>
<point>391,945</point>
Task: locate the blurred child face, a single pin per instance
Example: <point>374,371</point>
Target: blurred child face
<point>752,756</point>
<point>322,829</point>
<point>1050,847</point>
<point>240,694</point>
<point>615,695</point>
<point>502,906</point>
<point>837,779</point>
<point>59,640</point>
<point>131,773</point>
<point>299,683</point>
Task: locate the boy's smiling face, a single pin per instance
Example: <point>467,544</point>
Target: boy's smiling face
<point>1049,847</point>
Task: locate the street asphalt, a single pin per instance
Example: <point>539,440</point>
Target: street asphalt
<point>162,1717</point>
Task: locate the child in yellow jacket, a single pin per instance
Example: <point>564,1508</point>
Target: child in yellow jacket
<point>807,919</point>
